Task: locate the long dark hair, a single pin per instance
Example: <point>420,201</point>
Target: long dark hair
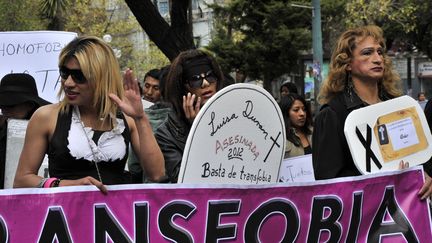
<point>175,83</point>
<point>285,105</point>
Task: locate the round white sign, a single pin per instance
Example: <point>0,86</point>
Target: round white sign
<point>238,137</point>
<point>381,135</point>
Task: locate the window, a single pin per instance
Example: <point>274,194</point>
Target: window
<point>163,7</point>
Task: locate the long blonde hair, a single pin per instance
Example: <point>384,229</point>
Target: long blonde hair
<point>100,68</point>
<point>341,57</point>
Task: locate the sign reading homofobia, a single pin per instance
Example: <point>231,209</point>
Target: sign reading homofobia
<point>35,53</point>
<point>381,135</point>
<point>237,137</point>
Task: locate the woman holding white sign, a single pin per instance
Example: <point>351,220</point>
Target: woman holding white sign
<point>194,77</point>
<point>87,134</point>
<point>360,74</point>
<point>298,125</point>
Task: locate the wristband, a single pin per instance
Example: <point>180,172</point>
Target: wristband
<point>56,183</point>
<point>42,182</point>
<point>48,182</point>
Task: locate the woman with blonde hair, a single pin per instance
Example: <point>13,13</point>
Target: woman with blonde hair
<point>87,134</point>
<point>361,74</point>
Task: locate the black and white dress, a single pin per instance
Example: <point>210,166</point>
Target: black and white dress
<point>75,149</point>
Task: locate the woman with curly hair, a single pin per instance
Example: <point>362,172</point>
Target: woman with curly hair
<point>361,74</point>
<point>194,77</point>
<point>298,125</point>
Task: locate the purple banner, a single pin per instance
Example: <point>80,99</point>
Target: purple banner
<point>373,208</point>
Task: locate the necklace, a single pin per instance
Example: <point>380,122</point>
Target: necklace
<point>90,141</point>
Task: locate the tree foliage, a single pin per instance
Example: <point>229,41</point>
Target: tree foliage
<point>382,13</point>
<point>53,11</point>
<point>421,36</point>
<point>19,15</point>
<point>405,22</point>
<point>261,38</point>
<point>85,17</point>
<point>145,60</point>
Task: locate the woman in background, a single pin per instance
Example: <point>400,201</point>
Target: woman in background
<point>194,77</point>
<point>298,125</point>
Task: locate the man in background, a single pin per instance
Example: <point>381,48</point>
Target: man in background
<point>151,89</point>
<point>421,98</point>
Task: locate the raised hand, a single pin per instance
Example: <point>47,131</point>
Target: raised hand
<point>131,103</point>
<point>190,109</point>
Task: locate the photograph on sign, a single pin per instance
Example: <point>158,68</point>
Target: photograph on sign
<point>400,133</point>
<point>238,137</point>
<point>381,135</point>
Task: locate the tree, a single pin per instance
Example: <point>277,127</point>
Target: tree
<point>53,11</point>
<point>145,60</point>
<point>421,37</point>
<point>406,22</point>
<point>333,14</point>
<point>170,38</point>
<point>261,38</point>
<point>18,15</point>
<point>121,26</point>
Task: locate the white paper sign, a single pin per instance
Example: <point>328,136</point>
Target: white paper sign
<point>238,137</point>
<point>16,130</point>
<point>297,169</point>
<point>35,53</point>
<point>404,135</point>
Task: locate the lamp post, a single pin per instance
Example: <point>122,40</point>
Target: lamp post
<point>316,44</point>
<point>108,38</point>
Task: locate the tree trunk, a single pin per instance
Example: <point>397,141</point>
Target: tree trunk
<point>171,40</point>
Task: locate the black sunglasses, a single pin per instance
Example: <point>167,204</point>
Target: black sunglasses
<point>197,80</point>
<point>76,74</point>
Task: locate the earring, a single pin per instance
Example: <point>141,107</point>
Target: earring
<point>381,94</point>
<point>349,85</point>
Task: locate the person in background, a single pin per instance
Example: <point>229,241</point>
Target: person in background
<point>157,114</point>
<point>87,134</point>
<point>194,77</point>
<point>151,87</point>
<point>421,98</point>
<point>19,99</point>
<point>428,113</point>
<point>288,88</point>
<point>360,74</point>
<point>298,125</point>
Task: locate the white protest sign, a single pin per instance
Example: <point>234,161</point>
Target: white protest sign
<point>35,53</point>
<point>381,135</point>
<point>297,169</point>
<point>425,69</point>
<point>16,130</point>
<point>238,137</point>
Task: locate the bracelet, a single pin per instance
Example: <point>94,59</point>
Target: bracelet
<point>56,183</point>
<point>42,182</point>
<point>48,182</point>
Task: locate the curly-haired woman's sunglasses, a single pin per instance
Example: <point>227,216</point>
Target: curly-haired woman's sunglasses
<point>76,74</point>
<point>196,81</point>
